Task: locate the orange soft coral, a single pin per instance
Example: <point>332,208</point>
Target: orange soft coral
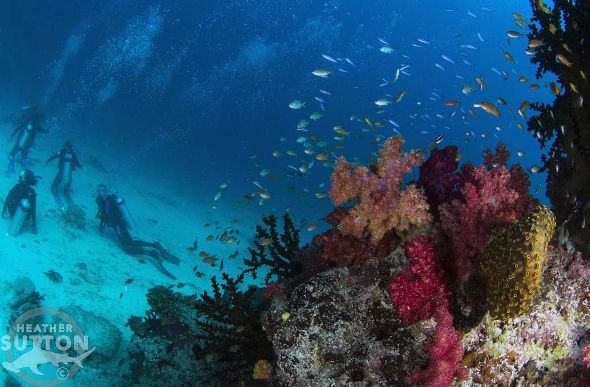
<point>380,203</point>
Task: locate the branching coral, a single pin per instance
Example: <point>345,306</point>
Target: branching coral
<point>281,248</point>
<point>564,33</point>
<point>231,328</point>
<point>380,203</point>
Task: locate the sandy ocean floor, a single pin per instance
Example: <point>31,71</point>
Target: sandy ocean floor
<point>94,268</point>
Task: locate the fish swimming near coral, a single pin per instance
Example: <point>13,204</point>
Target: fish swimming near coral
<point>37,356</point>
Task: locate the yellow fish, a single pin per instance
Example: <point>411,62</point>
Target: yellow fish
<point>400,96</point>
<point>340,130</point>
<point>564,60</point>
<point>481,82</point>
<point>490,108</point>
<point>519,17</point>
<point>555,89</point>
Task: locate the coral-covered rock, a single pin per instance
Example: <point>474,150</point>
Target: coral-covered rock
<point>343,330</point>
<point>541,346</point>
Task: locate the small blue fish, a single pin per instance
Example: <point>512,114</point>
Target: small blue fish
<point>343,70</point>
<point>417,45</point>
<point>396,131</point>
<point>440,67</point>
<point>486,9</point>
<point>423,41</point>
<point>450,9</point>
<point>448,59</point>
<point>468,63</point>
<point>328,57</point>
<point>322,107</point>
<point>393,123</point>
<point>320,99</point>
<point>350,62</point>
<point>424,132</point>
<point>384,41</point>
<point>480,37</point>
<point>325,92</point>
<point>471,14</point>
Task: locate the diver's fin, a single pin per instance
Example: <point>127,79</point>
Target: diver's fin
<point>163,270</point>
<point>171,258</point>
<point>166,255</point>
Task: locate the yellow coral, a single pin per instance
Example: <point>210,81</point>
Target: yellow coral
<point>513,264</point>
<point>262,370</point>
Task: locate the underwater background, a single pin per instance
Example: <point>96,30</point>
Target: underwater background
<point>207,115</point>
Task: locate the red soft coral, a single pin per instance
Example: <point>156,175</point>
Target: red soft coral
<point>380,203</point>
<point>439,177</point>
<point>446,352</point>
<point>418,289</point>
<point>342,250</point>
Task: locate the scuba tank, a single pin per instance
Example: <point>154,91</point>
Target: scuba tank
<point>66,175</point>
<point>21,213</point>
<point>26,133</point>
<point>124,211</point>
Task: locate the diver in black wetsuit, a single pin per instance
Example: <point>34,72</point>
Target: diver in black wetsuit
<point>113,213</point>
<point>30,123</point>
<point>66,164</point>
<point>23,190</point>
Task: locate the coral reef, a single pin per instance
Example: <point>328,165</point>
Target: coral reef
<point>379,202</point>
<point>542,346</point>
<point>513,264</point>
<point>281,248</point>
<point>474,203</point>
<point>564,125</point>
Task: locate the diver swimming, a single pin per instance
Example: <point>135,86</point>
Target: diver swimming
<point>113,212</point>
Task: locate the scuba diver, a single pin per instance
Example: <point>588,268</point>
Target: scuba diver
<point>66,164</point>
<point>21,203</point>
<point>29,124</point>
<point>113,212</point>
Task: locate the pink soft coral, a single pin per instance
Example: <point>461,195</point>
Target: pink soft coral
<point>474,202</point>
<point>381,204</point>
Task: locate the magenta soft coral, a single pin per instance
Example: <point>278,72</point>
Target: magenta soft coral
<point>419,293</point>
<point>420,287</point>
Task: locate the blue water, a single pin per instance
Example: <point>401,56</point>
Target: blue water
<point>198,88</point>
